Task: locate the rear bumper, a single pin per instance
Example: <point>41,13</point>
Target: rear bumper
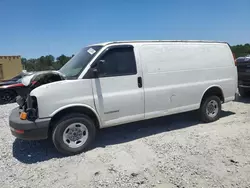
<point>28,130</point>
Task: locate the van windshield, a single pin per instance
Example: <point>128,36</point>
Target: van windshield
<point>73,68</point>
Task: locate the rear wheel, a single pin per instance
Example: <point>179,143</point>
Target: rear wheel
<point>210,109</point>
<point>73,134</point>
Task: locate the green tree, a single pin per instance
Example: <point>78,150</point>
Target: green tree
<point>62,59</point>
<point>241,50</point>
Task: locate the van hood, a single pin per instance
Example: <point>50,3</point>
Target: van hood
<point>41,78</point>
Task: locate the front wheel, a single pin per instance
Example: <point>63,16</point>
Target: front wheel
<point>210,109</point>
<point>73,134</point>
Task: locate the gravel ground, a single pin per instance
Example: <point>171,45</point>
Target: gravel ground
<point>174,151</point>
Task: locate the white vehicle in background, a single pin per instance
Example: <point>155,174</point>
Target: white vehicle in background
<point>120,82</point>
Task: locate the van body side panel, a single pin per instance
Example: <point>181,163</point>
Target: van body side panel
<point>177,74</point>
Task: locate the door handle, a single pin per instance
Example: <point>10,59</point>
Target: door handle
<point>139,80</point>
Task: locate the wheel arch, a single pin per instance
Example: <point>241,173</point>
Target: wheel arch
<point>75,108</point>
<point>213,90</point>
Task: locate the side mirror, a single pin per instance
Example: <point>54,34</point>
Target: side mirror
<point>93,72</point>
<point>95,67</point>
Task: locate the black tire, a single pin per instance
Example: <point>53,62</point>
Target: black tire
<point>244,92</point>
<point>62,124</point>
<point>8,96</point>
<point>204,116</point>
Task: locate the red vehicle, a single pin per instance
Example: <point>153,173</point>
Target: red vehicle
<point>10,89</point>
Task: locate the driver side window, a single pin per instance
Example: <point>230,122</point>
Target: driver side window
<point>118,62</point>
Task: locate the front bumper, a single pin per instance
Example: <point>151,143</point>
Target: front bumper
<point>28,130</point>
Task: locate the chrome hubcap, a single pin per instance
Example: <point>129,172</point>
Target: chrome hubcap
<point>75,135</point>
<point>212,108</point>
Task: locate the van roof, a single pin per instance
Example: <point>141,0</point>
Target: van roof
<point>149,41</point>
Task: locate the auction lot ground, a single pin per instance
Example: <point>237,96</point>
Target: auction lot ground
<point>174,151</point>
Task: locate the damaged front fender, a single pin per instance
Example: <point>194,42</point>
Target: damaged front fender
<point>33,81</point>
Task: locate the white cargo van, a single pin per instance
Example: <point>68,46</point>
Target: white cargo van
<point>120,82</point>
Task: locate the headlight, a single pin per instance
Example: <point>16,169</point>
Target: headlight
<point>31,108</point>
<point>31,102</point>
